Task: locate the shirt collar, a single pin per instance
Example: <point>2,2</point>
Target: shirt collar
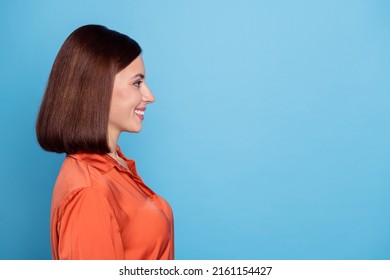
<point>104,162</point>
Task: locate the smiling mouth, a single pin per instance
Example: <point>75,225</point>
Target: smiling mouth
<point>140,113</point>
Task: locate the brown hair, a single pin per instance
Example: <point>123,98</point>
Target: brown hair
<point>73,116</point>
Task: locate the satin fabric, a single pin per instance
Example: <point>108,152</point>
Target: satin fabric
<point>101,210</point>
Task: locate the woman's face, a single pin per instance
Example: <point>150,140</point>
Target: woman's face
<point>129,98</point>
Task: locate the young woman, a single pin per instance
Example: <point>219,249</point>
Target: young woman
<point>101,209</point>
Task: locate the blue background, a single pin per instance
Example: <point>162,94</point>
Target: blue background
<point>269,135</point>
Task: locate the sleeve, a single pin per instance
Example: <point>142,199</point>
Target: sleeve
<point>88,228</point>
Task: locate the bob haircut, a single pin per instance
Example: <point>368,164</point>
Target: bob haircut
<point>73,116</point>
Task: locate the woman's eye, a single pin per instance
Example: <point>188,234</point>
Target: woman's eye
<point>138,83</point>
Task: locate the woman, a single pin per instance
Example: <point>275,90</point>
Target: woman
<point>101,209</point>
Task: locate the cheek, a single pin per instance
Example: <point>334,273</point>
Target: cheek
<point>127,95</point>
<point>133,99</point>
<point>118,104</point>
<point>120,94</point>
<point>119,98</point>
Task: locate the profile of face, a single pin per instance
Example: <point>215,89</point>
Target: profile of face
<point>129,99</point>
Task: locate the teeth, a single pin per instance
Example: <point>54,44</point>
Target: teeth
<point>140,112</point>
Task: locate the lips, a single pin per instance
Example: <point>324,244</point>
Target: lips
<point>140,112</point>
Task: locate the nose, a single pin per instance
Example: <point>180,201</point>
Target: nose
<point>147,95</point>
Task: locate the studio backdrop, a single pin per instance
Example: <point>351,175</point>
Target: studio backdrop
<point>269,135</point>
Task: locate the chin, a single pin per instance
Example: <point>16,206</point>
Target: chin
<point>135,130</point>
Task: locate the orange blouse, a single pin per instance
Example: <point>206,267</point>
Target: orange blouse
<point>101,210</point>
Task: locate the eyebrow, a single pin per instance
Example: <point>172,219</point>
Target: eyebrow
<point>139,75</point>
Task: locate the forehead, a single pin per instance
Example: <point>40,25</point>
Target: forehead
<point>134,68</point>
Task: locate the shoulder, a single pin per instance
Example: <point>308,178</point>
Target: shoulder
<point>84,200</point>
<point>75,175</point>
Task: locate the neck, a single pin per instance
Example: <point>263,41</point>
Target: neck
<point>112,142</point>
<point>118,159</point>
<point>114,155</point>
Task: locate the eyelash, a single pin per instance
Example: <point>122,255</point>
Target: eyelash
<point>138,83</point>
